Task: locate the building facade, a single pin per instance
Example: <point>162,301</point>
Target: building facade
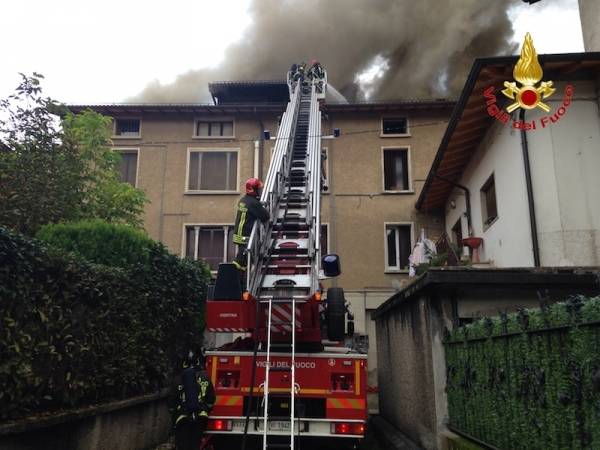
<point>192,162</point>
<point>523,189</point>
<point>533,192</point>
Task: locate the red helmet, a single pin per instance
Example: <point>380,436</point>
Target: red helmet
<point>253,185</point>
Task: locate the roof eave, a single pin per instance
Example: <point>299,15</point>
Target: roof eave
<point>466,93</point>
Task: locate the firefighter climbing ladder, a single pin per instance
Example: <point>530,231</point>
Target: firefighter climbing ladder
<point>283,258</point>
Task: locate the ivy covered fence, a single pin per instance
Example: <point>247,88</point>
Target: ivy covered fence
<point>529,380</point>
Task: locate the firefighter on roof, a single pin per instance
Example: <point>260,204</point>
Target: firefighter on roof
<point>249,209</point>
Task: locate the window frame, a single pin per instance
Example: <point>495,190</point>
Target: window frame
<point>398,135</point>
<point>390,269</point>
<point>191,150</point>
<point>120,136</point>
<point>486,222</point>
<point>410,189</point>
<point>457,226</point>
<point>205,225</point>
<point>326,224</point>
<point>135,150</point>
<point>213,120</point>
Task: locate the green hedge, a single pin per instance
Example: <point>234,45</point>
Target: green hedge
<point>100,242</point>
<point>529,380</point>
<point>74,333</point>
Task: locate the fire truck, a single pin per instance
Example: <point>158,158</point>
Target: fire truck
<point>290,380</point>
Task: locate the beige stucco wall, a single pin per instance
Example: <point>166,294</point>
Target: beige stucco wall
<point>356,208</point>
<point>162,166</point>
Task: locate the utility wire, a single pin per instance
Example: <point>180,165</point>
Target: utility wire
<point>233,140</point>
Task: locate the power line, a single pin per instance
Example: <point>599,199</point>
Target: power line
<point>231,140</point>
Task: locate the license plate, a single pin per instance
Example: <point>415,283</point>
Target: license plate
<point>278,425</point>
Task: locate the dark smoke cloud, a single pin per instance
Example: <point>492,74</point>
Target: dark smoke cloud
<point>427,46</point>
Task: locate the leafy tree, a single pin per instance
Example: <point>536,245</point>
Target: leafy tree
<point>40,177</point>
<point>50,173</point>
<point>106,197</point>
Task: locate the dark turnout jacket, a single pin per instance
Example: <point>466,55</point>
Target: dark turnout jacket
<point>249,209</point>
<point>193,395</point>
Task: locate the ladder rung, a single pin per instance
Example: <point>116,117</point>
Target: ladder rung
<point>300,266</point>
<point>286,300</point>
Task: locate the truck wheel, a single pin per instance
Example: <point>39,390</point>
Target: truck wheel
<point>336,312</point>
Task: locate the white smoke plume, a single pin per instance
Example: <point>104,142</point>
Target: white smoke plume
<point>422,48</point>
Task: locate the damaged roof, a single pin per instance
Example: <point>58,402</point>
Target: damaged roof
<point>244,92</point>
<point>115,109</point>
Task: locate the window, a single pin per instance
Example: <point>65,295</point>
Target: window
<point>211,243</point>
<point>394,126</point>
<point>128,166</point>
<point>457,232</point>
<point>489,210</point>
<point>324,239</point>
<point>398,246</point>
<point>204,128</point>
<point>211,170</point>
<point>127,127</point>
<point>395,169</point>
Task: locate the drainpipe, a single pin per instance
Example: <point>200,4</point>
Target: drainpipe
<point>256,158</point>
<point>259,160</point>
<point>467,199</point>
<point>532,221</point>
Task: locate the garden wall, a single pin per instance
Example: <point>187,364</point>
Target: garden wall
<point>134,424</point>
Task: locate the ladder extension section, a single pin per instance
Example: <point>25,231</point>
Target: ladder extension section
<point>283,256</point>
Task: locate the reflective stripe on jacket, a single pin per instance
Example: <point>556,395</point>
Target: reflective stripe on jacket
<point>249,209</point>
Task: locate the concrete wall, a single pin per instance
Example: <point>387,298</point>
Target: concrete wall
<point>589,11</point>
<point>564,157</point>
<point>362,304</point>
<point>406,395</point>
<point>411,357</point>
<point>135,424</point>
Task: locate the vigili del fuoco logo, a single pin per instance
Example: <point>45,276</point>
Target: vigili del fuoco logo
<point>530,94</point>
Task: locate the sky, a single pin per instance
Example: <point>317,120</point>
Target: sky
<point>104,52</point>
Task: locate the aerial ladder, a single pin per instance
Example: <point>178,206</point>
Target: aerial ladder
<point>285,310</point>
<point>284,256</point>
